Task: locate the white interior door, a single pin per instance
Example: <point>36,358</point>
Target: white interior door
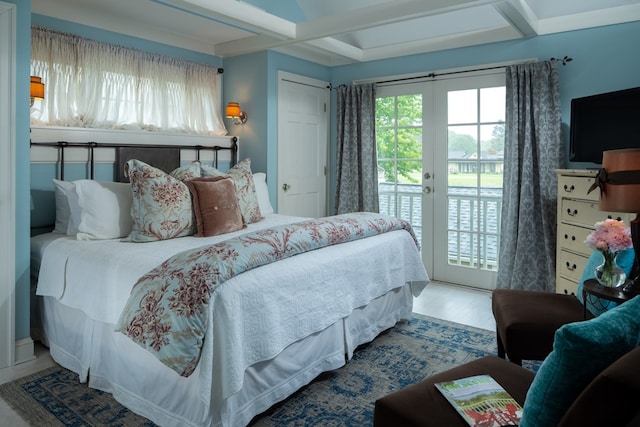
<point>302,146</point>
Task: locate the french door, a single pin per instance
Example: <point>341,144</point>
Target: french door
<point>440,146</point>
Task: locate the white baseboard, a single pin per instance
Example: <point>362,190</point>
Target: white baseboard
<point>24,350</point>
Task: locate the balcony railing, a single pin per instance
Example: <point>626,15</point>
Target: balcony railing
<point>473,223</point>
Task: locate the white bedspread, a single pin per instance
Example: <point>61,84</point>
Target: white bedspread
<point>96,276</point>
<point>255,315</point>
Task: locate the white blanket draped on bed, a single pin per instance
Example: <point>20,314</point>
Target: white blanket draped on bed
<point>254,319</point>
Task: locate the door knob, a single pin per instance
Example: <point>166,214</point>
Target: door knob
<point>285,187</point>
<point>426,190</point>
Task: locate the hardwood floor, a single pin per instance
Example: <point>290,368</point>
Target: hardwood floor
<point>443,301</point>
<point>458,304</point>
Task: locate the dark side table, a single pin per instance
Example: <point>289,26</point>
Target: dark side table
<point>593,287</point>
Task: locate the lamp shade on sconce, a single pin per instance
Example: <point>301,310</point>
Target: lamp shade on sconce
<point>621,190</point>
<point>37,88</point>
<point>234,112</point>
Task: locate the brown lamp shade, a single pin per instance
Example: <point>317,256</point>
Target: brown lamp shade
<point>37,88</point>
<point>624,195</point>
<point>233,110</point>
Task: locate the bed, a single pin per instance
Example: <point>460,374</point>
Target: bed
<point>271,330</point>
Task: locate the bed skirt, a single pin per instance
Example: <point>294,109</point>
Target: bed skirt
<point>111,362</point>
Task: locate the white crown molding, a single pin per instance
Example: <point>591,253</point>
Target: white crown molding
<point>241,14</point>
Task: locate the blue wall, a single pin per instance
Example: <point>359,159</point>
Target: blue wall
<point>245,81</point>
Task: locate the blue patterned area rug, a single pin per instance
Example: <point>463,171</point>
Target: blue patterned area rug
<point>404,355</point>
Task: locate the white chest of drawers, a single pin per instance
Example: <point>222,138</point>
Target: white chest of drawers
<point>577,214</point>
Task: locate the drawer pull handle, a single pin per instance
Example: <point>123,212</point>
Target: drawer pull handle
<point>569,189</point>
<point>572,212</point>
<point>617,218</point>
<point>571,267</point>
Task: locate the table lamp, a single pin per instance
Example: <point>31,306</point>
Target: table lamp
<point>619,182</point>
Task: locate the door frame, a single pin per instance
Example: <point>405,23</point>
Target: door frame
<point>7,182</point>
<point>307,81</point>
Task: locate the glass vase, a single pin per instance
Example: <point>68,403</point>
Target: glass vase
<point>609,273</point>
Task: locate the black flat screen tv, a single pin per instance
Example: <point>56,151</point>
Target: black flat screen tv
<point>607,121</point>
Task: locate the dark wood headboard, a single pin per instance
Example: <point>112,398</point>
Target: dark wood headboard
<point>166,160</point>
<point>164,157</point>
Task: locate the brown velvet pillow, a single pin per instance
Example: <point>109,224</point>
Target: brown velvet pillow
<point>216,206</point>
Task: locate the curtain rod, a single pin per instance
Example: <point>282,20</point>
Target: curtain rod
<point>564,60</point>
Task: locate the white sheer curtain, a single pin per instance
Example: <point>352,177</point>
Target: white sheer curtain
<point>99,85</point>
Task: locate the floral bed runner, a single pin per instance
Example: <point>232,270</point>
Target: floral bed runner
<point>167,310</point>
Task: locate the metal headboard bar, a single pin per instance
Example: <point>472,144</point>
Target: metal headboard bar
<point>91,146</point>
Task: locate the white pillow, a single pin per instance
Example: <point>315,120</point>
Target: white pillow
<point>105,209</point>
<point>260,181</point>
<point>63,190</point>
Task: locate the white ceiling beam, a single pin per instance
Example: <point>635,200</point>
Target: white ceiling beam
<point>241,14</point>
<point>519,15</point>
<point>312,54</point>
<point>337,47</point>
<point>250,44</point>
<point>380,14</point>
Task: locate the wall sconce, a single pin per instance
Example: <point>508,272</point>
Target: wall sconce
<point>36,90</point>
<point>233,112</point>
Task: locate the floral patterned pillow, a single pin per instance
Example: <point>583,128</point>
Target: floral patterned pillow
<point>161,206</point>
<point>184,173</point>
<point>245,187</point>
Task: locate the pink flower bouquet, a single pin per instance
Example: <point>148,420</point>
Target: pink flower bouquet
<point>610,236</point>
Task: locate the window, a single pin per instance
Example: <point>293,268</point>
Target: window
<point>98,85</point>
<point>399,150</point>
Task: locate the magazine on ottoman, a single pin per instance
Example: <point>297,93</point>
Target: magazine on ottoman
<point>481,401</point>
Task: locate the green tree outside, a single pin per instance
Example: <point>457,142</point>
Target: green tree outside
<point>399,137</point>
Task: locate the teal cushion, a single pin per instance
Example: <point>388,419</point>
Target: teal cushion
<point>596,305</point>
<point>581,350</point>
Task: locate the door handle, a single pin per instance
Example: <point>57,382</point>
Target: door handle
<point>426,190</point>
<point>286,187</point>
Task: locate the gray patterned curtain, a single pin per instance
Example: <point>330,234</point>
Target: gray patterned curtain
<point>533,150</point>
<point>357,176</point>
